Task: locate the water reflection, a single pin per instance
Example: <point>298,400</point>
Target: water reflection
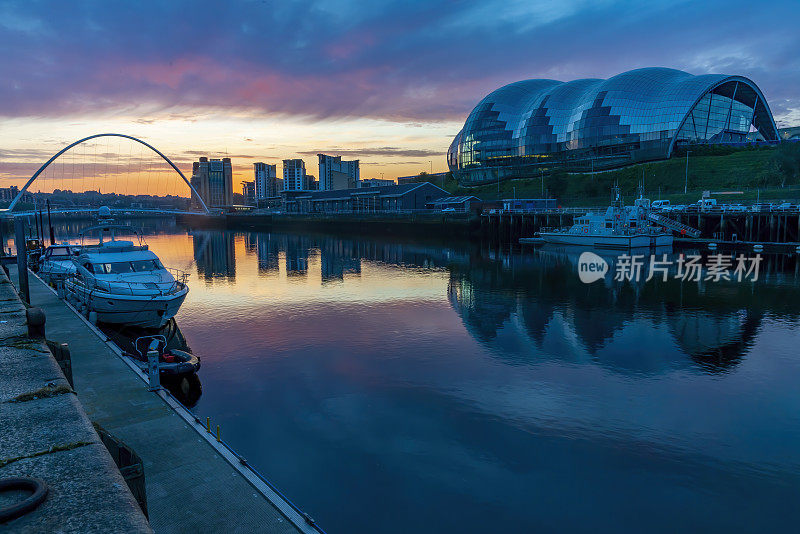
<point>525,304</point>
<point>490,390</point>
<point>538,293</point>
<point>214,255</point>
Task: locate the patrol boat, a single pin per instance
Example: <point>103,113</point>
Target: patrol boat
<point>620,227</point>
<point>116,281</point>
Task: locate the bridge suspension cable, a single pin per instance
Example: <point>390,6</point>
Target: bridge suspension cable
<point>105,172</point>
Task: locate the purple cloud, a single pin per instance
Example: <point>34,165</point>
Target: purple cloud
<point>407,61</point>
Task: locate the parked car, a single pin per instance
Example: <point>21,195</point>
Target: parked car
<point>733,208</point>
<point>761,208</point>
<point>707,204</point>
<point>448,210</point>
<point>660,205</point>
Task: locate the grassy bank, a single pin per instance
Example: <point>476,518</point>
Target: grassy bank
<point>758,173</point>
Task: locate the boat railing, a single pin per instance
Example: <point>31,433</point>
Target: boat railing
<point>180,276</point>
<point>122,287</point>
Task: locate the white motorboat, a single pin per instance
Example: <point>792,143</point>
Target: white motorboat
<point>56,262</point>
<point>620,227</point>
<point>116,281</point>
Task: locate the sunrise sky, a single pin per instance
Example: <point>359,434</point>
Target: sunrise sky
<point>389,83</point>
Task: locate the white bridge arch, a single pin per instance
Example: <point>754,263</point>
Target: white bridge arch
<point>79,141</point>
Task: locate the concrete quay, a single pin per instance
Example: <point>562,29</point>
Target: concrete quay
<point>192,483</point>
<point>45,433</point>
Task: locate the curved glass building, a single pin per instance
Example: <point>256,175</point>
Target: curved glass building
<point>640,115</point>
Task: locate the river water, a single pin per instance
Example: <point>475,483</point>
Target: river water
<point>416,387</point>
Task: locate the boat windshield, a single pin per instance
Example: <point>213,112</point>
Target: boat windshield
<point>146,265</point>
<point>59,251</point>
<point>122,267</point>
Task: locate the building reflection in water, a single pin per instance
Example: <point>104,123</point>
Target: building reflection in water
<point>267,252</point>
<point>214,254</point>
<point>296,252</point>
<point>337,258</point>
<point>619,326</point>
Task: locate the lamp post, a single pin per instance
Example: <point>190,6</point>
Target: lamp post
<point>686,182</point>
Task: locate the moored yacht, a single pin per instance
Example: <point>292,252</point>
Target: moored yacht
<point>56,262</point>
<point>117,281</point>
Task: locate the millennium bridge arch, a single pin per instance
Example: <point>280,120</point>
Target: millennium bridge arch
<point>79,141</point>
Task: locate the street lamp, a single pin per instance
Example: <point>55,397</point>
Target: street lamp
<point>686,182</point>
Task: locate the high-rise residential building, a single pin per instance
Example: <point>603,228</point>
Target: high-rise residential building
<point>9,193</point>
<point>337,174</point>
<point>213,180</point>
<point>249,192</point>
<point>311,182</point>
<point>266,181</point>
<point>294,175</point>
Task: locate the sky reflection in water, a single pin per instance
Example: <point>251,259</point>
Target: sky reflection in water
<point>392,387</point>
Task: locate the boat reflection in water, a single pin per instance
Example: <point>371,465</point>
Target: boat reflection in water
<point>185,387</point>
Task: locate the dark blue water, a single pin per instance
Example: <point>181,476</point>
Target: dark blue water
<point>401,388</point>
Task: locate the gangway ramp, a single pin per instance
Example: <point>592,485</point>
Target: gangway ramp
<point>666,222</point>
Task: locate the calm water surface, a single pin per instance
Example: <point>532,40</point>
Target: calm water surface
<point>401,388</point>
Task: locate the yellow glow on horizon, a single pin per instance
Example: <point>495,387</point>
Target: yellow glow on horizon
<point>29,142</point>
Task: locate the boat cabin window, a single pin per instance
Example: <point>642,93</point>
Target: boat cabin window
<point>146,265</point>
<point>58,252</point>
<point>122,267</point>
<point>609,224</point>
<point>117,267</point>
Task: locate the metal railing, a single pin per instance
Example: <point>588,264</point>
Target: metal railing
<point>180,276</point>
<point>122,287</point>
<point>551,211</point>
<point>673,225</point>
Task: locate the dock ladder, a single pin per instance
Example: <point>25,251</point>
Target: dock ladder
<point>666,222</point>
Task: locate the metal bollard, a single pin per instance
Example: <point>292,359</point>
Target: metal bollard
<point>35,319</point>
<point>152,370</point>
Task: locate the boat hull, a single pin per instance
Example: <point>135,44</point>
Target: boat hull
<point>624,242</point>
<point>134,310</point>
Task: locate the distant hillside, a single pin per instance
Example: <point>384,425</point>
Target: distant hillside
<point>766,172</point>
